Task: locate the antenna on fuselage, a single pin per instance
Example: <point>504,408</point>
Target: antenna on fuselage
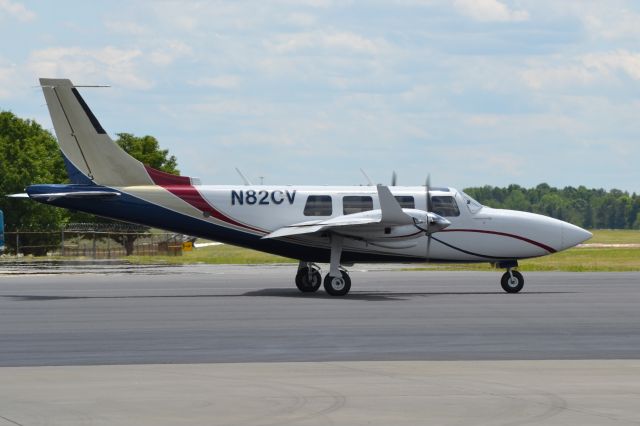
<point>243,177</point>
<point>366,176</point>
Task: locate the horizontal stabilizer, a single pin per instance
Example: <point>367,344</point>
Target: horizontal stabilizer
<point>85,195</point>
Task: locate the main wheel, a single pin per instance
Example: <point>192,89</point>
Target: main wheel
<point>308,284</point>
<point>512,283</point>
<point>337,286</point>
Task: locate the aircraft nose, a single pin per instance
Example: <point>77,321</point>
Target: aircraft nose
<point>573,235</point>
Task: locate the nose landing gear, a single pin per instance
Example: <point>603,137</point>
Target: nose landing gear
<point>512,281</point>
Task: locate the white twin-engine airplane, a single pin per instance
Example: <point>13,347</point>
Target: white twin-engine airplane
<point>339,225</point>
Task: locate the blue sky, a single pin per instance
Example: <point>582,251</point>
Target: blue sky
<point>473,92</point>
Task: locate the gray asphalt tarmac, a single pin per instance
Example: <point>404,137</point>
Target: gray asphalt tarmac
<point>211,314</point>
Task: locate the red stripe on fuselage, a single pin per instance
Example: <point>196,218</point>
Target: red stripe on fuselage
<point>163,178</point>
<point>181,187</point>
<point>504,234</point>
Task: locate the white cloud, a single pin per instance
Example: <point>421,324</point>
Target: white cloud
<point>309,3</point>
<point>490,11</point>
<point>613,20</point>
<point>340,40</point>
<point>7,76</point>
<point>97,66</point>
<point>621,60</point>
<point>126,27</point>
<point>16,10</point>
<point>221,82</point>
<point>300,19</point>
<point>169,52</point>
<point>585,69</point>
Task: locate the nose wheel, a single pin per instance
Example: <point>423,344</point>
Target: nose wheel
<point>512,281</point>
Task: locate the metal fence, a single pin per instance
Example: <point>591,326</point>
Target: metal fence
<point>92,244</point>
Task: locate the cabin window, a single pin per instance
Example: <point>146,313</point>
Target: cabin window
<point>356,204</point>
<point>444,206</point>
<point>406,201</point>
<point>318,205</point>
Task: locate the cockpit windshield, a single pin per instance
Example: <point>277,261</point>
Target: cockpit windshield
<point>473,206</point>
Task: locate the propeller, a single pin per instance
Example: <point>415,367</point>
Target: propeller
<point>394,178</point>
<point>428,200</point>
<point>433,222</point>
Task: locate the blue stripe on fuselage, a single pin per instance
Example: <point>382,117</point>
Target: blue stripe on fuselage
<point>133,209</point>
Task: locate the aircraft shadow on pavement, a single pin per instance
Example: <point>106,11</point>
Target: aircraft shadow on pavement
<point>285,292</point>
<point>377,295</point>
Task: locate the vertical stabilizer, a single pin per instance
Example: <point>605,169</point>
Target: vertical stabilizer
<point>90,154</point>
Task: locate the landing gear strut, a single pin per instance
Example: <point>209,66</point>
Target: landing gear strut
<point>337,281</point>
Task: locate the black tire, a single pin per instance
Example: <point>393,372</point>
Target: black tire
<point>337,286</point>
<point>512,285</point>
<point>304,284</point>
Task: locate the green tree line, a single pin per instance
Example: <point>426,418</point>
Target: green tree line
<point>588,208</point>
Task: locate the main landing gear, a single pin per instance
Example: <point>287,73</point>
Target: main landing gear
<point>336,282</point>
<point>512,281</point>
<point>337,286</point>
<point>308,280</point>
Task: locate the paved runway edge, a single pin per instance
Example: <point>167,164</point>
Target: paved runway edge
<point>375,393</point>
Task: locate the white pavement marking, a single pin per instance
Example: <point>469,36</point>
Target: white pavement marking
<point>345,393</point>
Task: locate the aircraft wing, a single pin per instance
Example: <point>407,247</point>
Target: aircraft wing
<point>389,214</point>
<point>323,225</point>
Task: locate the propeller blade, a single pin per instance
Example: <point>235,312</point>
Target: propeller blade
<point>428,192</point>
<point>394,178</point>
<point>428,197</point>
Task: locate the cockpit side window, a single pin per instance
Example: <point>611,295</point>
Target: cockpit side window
<point>444,205</point>
<point>318,205</point>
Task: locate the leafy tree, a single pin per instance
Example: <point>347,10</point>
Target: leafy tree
<point>29,154</point>
<point>147,150</point>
